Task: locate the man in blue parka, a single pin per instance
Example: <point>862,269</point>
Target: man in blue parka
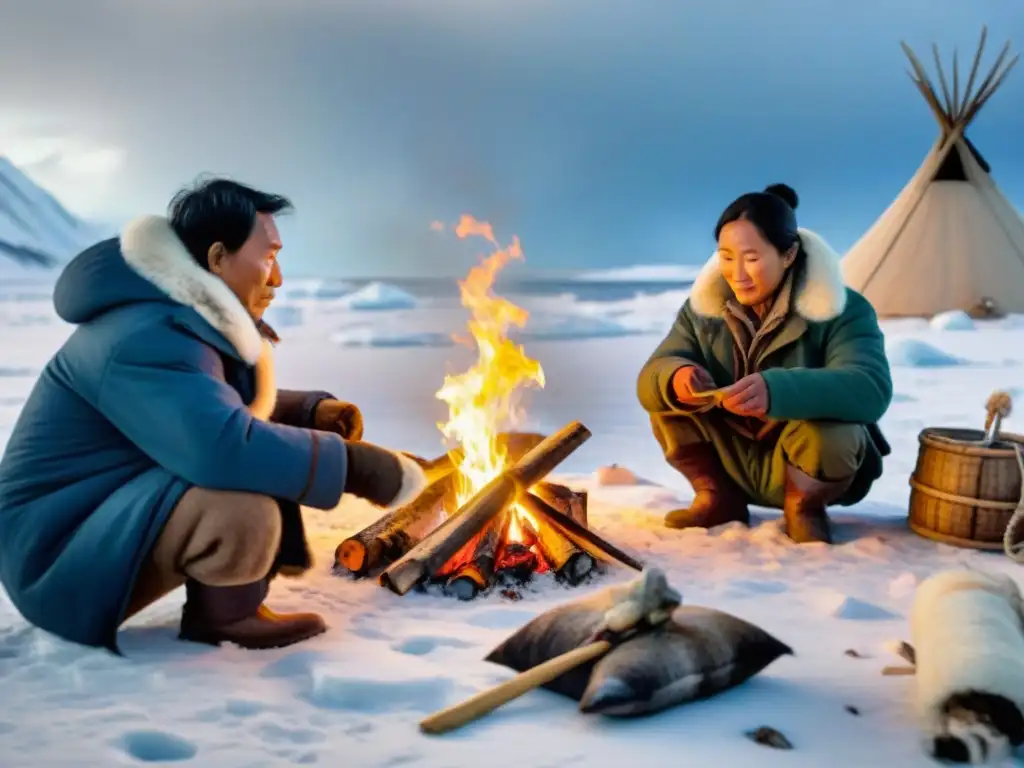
<point>155,449</point>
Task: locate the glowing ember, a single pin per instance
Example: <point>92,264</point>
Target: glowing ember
<point>481,401</point>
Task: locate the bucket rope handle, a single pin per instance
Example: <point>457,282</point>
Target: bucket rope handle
<point>1013,543</point>
<point>997,408</point>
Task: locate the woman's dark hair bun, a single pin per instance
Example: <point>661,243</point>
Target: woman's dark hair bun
<point>785,192</point>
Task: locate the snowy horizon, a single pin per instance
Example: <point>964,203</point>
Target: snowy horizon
<point>38,236</point>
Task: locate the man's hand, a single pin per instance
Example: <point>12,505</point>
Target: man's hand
<point>688,382</point>
<point>747,397</point>
<point>341,418</point>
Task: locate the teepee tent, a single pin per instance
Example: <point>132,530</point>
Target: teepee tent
<point>950,239</point>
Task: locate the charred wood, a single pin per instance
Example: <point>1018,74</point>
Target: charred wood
<point>582,537</point>
<point>390,536</point>
<point>567,561</point>
<point>477,574</point>
<point>565,500</point>
<point>516,563</point>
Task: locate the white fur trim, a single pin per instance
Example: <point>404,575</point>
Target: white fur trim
<point>262,405</point>
<point>414,480</point>
<point>710,291</point>
<point>968,635</point>
<point>823,293</point>
<point>819,297</point>
<point>153,250</point>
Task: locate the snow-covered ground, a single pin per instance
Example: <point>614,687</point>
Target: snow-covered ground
<point>355,695</point>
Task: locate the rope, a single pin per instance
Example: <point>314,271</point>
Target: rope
<point>998,407</point>
<point>1013,544</point>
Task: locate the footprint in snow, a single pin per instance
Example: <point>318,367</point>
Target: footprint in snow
<point>296,664</point>
<point>157,746</point>
<point>402,760</point>
<point>500,618</point>
<point>421,645</point>
<point>373,696</point>
<point>370,633</point>
<point>754,588</point>
<point>272,733</point>
<point>243,707</point>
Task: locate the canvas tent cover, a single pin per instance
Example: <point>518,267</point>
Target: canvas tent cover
<point>950,239</point>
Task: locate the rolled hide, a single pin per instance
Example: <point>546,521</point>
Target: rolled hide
<point>967,628</point>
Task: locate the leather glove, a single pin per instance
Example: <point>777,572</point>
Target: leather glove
<point>385,479</point>
<point>339,417</point>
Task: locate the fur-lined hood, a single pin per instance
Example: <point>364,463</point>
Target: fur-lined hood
<point>153,250</point>
<point>818,296</point>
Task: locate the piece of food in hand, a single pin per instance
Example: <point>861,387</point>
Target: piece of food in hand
<point>747,397</point>
<point>692,385</point>
<point>385,479</point>
<point>339,417</point>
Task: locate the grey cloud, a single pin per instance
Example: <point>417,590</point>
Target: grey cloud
<point>599,131</point>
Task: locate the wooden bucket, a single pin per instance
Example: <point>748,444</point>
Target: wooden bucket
<point>964,493</point>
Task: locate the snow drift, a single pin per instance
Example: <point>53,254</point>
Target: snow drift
<point>379,297</point>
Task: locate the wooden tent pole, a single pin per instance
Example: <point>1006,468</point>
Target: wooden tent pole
<point>940,156</point>
<point>954,120</point>
<point>974,73</point>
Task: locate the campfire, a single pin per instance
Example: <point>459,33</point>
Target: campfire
<point>489,518</point>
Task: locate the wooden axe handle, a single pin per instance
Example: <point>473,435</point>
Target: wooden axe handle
<point>487,701</point>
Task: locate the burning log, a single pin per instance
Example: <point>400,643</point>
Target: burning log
<point>478,573</point>
<point>389,537</point>
<point>565,500</point>
<point>430,554</point>
<point>568,562</point>
<point>542,459</point>
<point>579,535</point>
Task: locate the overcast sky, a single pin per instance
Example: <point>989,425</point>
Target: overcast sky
<point>601,132</point>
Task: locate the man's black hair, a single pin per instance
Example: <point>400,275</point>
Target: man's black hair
<point>219,210</point>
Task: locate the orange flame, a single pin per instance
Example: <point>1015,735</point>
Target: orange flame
<point>481,400</point>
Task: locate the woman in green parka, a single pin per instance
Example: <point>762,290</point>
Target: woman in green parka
<point>799,363</point>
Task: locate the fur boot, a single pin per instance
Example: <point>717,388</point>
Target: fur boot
<point>805,507</point>
<point>718,499</point>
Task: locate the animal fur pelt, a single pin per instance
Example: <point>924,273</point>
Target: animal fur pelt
<point>697,653</point>
<point>968,637</point>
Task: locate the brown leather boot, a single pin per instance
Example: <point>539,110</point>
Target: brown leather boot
<point>215,615</point>
<point>805,503</point>
<point>718,499</point>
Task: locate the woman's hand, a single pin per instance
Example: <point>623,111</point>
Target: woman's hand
<point>747,397</point>
<point>688,382</point>
<point>339,417</point>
